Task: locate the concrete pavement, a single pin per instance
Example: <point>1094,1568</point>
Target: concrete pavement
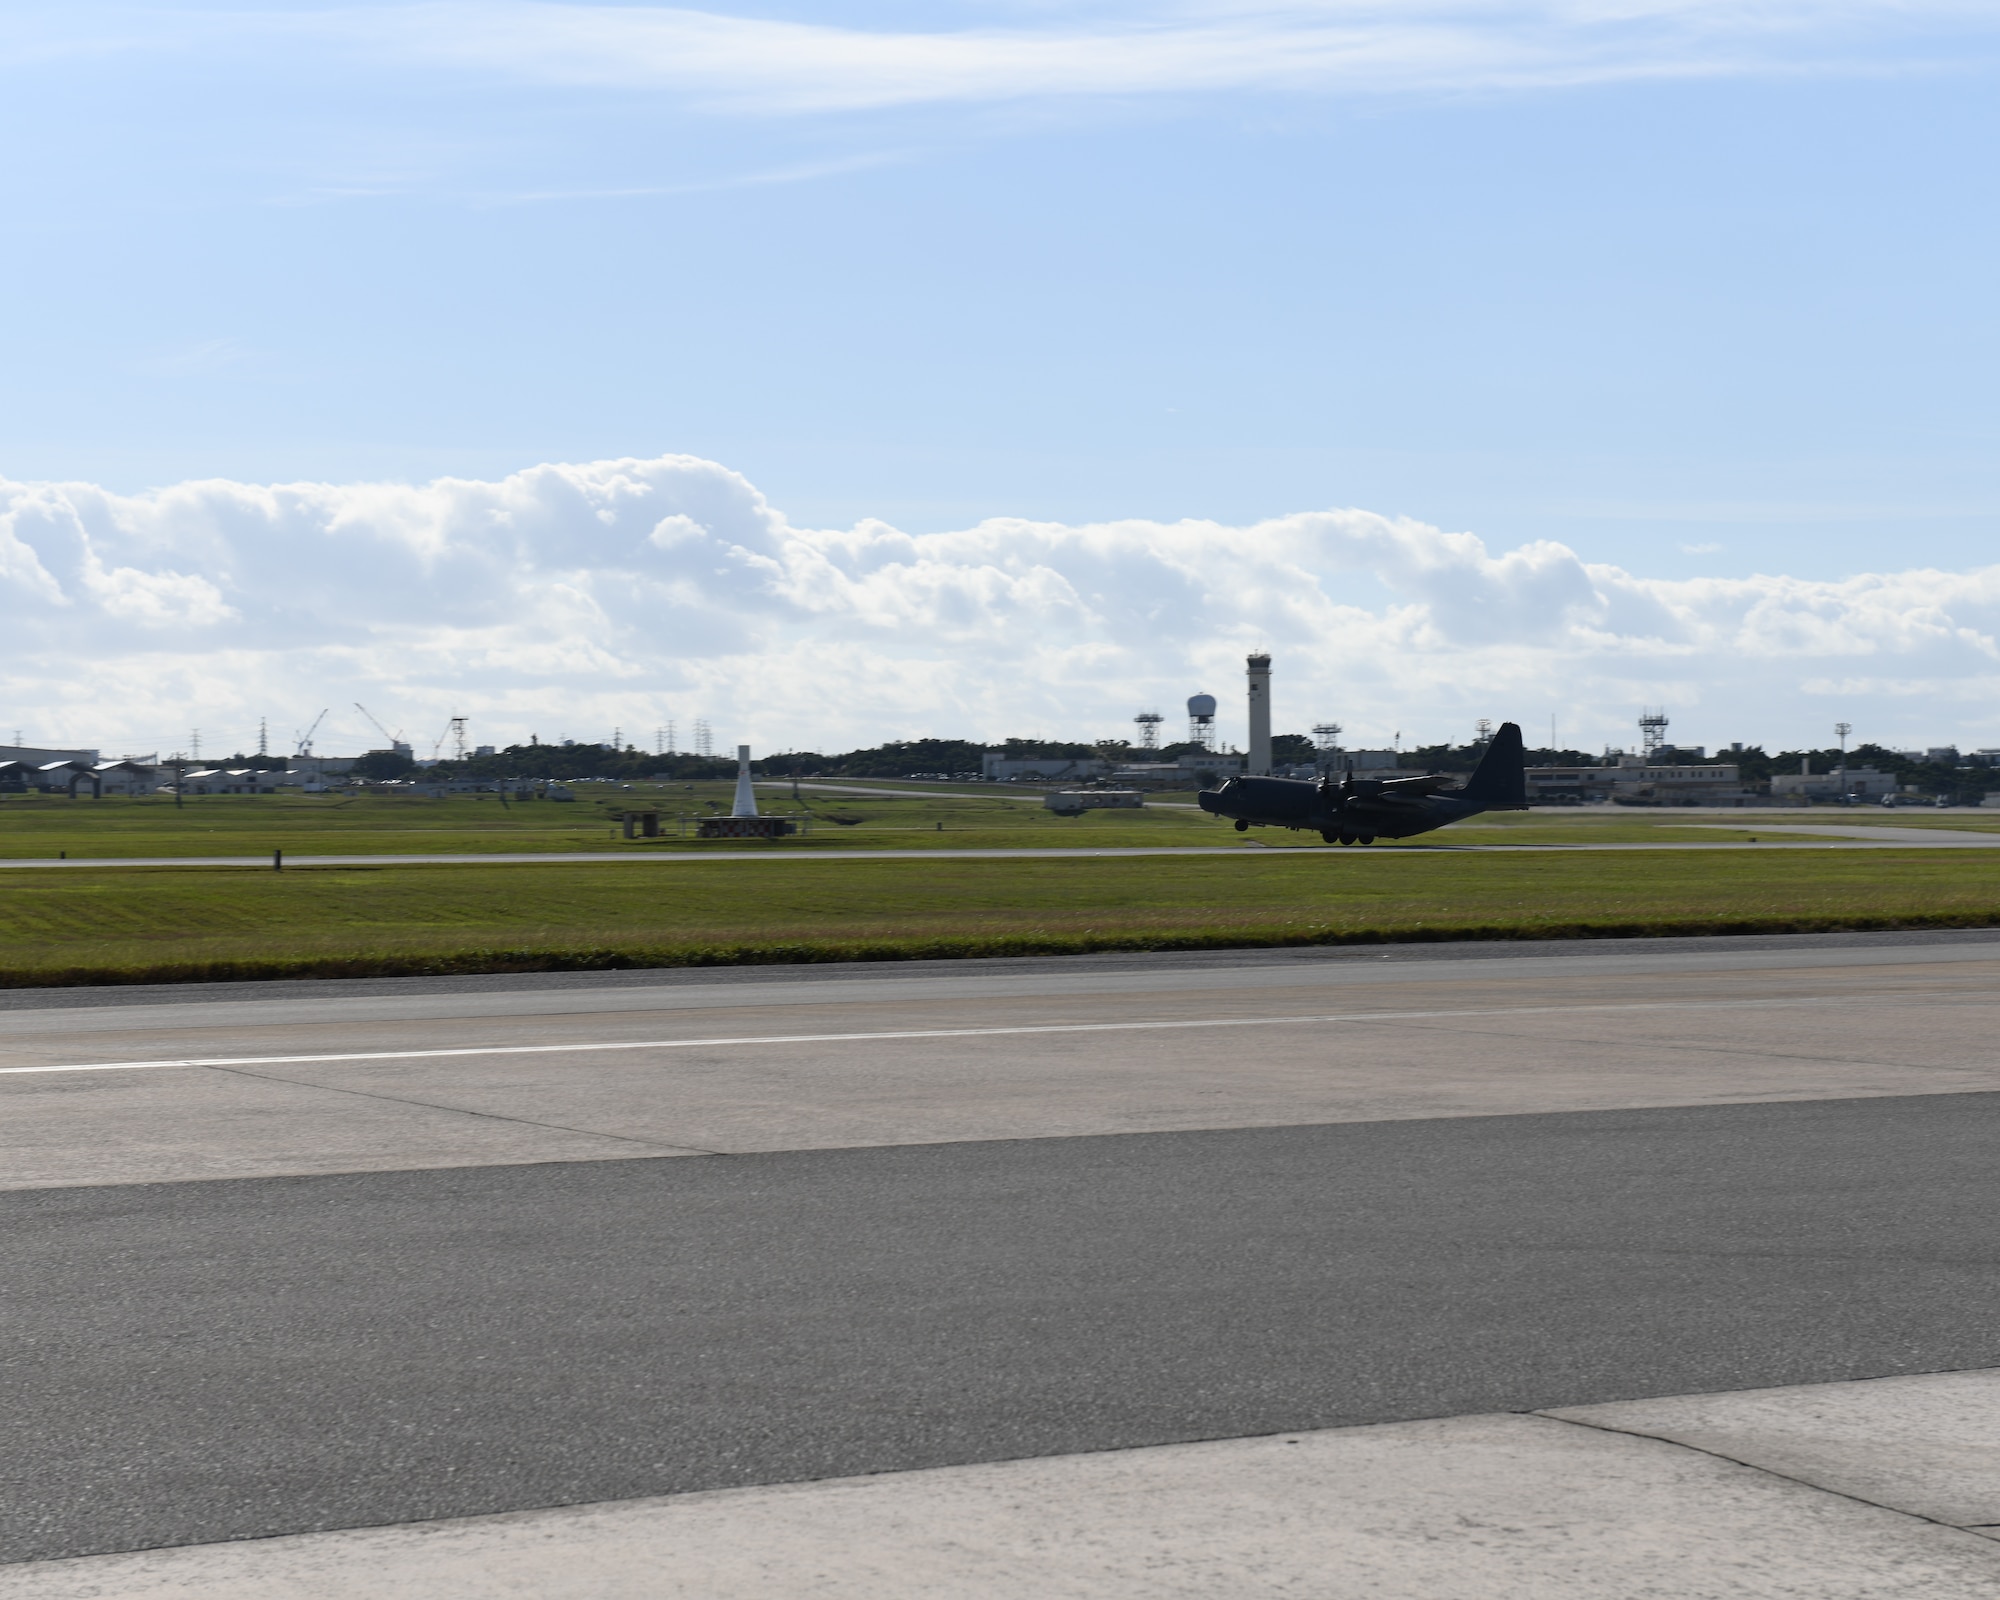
<point>1869,832</point>
<point>1587,1502</point>
<point>833,1058</point>
<point>1058,1254</point>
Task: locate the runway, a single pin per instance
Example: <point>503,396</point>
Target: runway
<point>409,1250</point>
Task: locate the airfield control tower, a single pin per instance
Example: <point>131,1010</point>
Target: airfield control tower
<point>1259,668</point>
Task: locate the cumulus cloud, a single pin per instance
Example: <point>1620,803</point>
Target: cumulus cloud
<point>567,600</point>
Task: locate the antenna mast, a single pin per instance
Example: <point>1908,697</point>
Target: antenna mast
<point>1652,733</point>
<point>454,730</point>
<point>1326,737</point>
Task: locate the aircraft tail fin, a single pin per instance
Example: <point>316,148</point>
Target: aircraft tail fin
<point>1500,781</point>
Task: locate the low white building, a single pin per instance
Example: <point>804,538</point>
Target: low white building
<point>997,766</point>
<point>67,777</point>
<point>232,780</point>
<point>1073,802</point>
<point>1711,783</point>
<point>1192,766</point>
<point>1708,783</point>
<point>1862,782</point>
<point>130,777</point>
<point>317,774</point>
<point>76,777</point>
<point>35,756</point>
<point>1190,771</point>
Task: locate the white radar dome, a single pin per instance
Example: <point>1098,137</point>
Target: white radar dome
<point>1201,705</point>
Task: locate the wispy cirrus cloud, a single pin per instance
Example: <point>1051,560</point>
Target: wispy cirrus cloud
<point>1349,46</point>
<point>744,62</point>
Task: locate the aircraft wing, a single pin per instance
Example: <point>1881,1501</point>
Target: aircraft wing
<point>1387,802</point>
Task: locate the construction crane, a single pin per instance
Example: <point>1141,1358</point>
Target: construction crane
<point>395,739</point>
<point>455,731</point>
<point>306,738</point>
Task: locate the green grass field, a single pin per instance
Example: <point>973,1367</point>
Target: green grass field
<point>36,826</point>
<point>179,923</point>
<point>39,827</point>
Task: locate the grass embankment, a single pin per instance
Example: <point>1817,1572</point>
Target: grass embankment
<point>177,924</point>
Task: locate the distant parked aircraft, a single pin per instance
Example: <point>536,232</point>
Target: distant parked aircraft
<point>1361,810</point>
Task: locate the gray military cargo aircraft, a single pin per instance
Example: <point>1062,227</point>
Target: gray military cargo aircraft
<point>1361,810</point>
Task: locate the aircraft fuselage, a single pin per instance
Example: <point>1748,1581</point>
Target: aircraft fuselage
<point>1359,811</point>
<point>1362,810</point>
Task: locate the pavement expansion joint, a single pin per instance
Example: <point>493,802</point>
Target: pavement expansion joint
<point>654,1146</point>
<point>1517,1505</point>
<point>1759,1467</point>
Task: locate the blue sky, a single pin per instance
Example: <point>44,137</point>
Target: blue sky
<point>1697,290</point>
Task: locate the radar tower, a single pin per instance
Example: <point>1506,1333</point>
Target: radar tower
<point>1201,720</point>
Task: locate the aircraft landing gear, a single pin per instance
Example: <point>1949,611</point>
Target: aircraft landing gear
<point>1347,838</point>
<point>1368,838</point>
<point>1242,826</point>
<point>1329,836</point>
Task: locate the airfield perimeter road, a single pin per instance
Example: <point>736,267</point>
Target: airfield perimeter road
<point>988,1244</point>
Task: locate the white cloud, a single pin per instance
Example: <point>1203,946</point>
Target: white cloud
<point>1367,46</point>
<point>1144,47</point>
<point>566,600</point>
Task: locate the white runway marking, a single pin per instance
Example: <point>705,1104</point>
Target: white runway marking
<point>933,1033</point>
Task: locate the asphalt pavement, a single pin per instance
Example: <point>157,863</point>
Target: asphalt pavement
<point>237,1359</point>
<point>485,1251</point>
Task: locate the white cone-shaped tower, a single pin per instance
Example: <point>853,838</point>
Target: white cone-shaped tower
<point>746,797</point>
